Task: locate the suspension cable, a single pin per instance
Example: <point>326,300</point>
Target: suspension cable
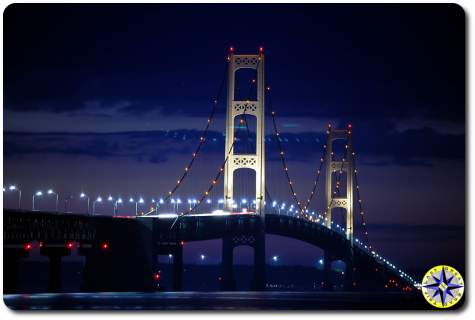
<point>221,169</point>
<point>215,180</point>
<point>202,140</point>
<point>359,201</point>
<point>302,209</point>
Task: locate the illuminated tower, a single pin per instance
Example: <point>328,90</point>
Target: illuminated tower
<point>254,161</point>
<point>340,167</point>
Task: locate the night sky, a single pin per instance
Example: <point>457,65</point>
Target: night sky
<point>111,99</point>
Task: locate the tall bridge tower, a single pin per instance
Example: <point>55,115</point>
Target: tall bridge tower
<point>333,199</point>
<point>255,161</point>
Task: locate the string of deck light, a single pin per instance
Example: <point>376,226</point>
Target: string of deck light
<point>302,210</point>
<point>201,142</point>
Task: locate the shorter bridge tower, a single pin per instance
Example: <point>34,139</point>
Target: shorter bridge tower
<point>344,166</point>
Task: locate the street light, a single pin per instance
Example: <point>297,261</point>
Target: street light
<point>172,201</point>
<point>141,201</point>
<point>111,200</point>
<point>244,202</point>
<point>116,206</point>
<point>37,194</point>
<point>159,203</point>
<point>98,199</point>
<point>154,203</point>
<point>50,191</point>
<point>277,206</point>
<point>131,200</point>
<point>15,188</point>
<point>83,195</point>
<point>68,204</point>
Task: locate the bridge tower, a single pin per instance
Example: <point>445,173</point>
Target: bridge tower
<point>236,108</point>
<point>346,166</point>
<point>254,161</point>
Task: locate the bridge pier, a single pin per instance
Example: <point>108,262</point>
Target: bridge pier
<point>227,283</point>
<point>350,277</point>
<point>259,281</point>
<point>55,253</point>
<point>327,271</point>
<point>257,242</point>
<point>11,259</point>
<point>178,268</point>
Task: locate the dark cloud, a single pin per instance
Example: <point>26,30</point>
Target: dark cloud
<point>408,148</point>
<point>353,61</point>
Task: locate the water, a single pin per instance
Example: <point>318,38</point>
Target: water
<point>217,301</point>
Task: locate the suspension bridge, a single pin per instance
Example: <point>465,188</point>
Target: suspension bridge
<point>139,238</point>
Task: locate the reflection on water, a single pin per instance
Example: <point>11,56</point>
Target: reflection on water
<point>216,301</point>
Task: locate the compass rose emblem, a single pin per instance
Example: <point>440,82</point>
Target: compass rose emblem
<point>442,286</point>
